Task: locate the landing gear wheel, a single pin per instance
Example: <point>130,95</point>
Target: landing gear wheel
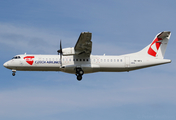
<point>78,69</point>
<point>13,74</point>
<point>79,77</point>
<point>79,73</point>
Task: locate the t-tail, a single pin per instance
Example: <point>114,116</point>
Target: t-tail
<point>158,46</point>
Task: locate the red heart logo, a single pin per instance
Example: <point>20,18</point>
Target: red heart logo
<point>29,59</point>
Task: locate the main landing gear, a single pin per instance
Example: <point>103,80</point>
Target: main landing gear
<point>79,73</point>
<point>13,72</point>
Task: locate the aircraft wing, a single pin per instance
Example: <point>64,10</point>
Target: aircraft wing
<point>84,44</point>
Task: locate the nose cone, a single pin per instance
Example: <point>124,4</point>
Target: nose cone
<point>5,64</point>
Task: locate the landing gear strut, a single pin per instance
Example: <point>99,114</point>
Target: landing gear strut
<point>79,73</point>
<point>13,72</point>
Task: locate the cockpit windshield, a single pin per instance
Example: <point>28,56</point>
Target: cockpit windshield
<point>16,57</point>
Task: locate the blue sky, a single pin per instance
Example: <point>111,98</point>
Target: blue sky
<point>117,27</point>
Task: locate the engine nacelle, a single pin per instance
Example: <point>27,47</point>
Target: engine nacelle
<point>68,51</point>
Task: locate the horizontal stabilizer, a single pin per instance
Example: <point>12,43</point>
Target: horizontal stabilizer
<point>164,34</point>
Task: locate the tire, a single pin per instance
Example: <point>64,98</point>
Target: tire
<point>13,74</point>
<point>79,77</point>
<point>81,72</point>
<point>78,70</point>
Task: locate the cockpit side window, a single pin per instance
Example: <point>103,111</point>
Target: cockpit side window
<point>16,57</point>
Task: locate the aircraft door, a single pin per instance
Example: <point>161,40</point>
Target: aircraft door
<point>127,61</point>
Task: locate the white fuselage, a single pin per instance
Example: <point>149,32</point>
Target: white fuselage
<point>94,63</point>
<point>78,60</point>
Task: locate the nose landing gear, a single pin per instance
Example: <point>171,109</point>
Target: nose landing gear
<point>13,72</point>
<point>79,73</point>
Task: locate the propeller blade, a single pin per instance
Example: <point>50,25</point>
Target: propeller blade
<point>60,47</point>
<point>60,51</point>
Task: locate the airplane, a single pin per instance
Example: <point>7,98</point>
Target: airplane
<point>78,60</point>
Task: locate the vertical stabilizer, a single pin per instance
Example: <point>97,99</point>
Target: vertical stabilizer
<point>158,46</point>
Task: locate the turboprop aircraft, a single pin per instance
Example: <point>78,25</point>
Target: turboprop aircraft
<point>78,60</point>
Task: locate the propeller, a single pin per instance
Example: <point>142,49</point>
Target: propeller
<point>60,52</point>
